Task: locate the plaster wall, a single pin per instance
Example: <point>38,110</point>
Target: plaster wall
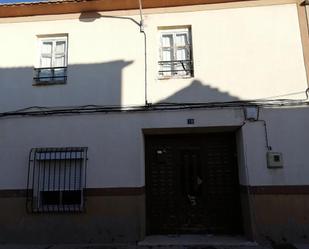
<point>286,132</point>
<point>116,150</point>
<point>114,141</point>
<point>239,54</point>
<point>281,217</point>
<point>108,219</point>
<point>307,11</point>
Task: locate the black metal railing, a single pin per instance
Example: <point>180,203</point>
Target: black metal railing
<point>56,179</point>
<point>176,67</point>
<point>50,75</point>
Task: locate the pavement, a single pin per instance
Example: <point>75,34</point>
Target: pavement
<point>134,246</point>
<point>302,246</point>
<point>168,242</point>
<point>117,246</point>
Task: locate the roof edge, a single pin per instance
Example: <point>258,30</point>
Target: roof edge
<point>78,6</point>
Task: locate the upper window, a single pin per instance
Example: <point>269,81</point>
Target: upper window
<point>52,64</point>
<point>175,53</point>
<point>56,179</point>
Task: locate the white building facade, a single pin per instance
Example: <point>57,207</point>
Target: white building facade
<point>191,121</point>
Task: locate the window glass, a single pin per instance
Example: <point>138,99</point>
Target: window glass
<point>181,39</point>
<point>60,47</point>
<point>47,48</point>
<point>46,61</point>
<point>45,74</point>
<point>167,40</point>
<point>182,54</point>
<point>59,61</point>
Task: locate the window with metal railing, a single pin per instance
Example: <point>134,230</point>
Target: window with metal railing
<point>175,53</point>
<point>56,179</point>
<point>52,65</point>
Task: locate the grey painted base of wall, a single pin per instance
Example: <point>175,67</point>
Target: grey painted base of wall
<point>121,218</point>
<point>107,219</point>
<point>281,217</point>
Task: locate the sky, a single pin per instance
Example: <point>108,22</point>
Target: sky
<point>18,1</point>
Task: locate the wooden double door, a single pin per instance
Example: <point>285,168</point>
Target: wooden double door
<point>192,184</point>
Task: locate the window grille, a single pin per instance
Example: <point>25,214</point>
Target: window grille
<point>49,75</point>
<point>175,53</point>
<point>56,179</point>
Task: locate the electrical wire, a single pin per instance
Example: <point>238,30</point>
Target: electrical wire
<point>88,109</point>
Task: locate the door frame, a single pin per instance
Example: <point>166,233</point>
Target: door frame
<point>246,216</point>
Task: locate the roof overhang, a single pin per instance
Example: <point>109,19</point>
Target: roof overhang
<point>78,6</point>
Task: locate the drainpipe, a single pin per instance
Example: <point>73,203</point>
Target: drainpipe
<point>141,15</point>
<point>306,2</point>
<point>142,30</point>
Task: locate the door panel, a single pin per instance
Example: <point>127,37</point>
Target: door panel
<point>192,184</point>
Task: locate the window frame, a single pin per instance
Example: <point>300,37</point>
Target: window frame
<point>174,31</point>
<point>54,79</point>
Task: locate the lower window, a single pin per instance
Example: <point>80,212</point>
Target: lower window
<point>56,179</point>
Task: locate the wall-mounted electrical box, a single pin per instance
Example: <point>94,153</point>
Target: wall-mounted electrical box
<point>274,160</point>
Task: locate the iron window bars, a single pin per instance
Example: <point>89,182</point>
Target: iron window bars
<point>177,67</point>
<point>50,75</point>
<point>56,179</point>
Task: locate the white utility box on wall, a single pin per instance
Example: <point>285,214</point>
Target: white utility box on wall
<point>274,160</point>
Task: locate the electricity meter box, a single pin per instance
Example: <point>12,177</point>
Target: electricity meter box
<point>274,160</point>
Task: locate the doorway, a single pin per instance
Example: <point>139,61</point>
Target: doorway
<point>192,184</point>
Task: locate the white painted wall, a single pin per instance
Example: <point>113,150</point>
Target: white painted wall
<point>245,53</point>
<point>286,131</point>
<point>239,53</point>
<point>116,149</point>
<point>115,142</point>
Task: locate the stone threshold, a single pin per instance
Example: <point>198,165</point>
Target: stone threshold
<point>196,240</point>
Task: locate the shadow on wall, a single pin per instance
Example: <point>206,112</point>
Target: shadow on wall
<point>87,84</point>
<point>197,92</point>
<point>92,84</point>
